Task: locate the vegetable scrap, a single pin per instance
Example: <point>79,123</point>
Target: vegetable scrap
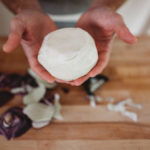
<point>35,95</point>
<point>91,85</point>
<point>39,80</point>
<point>41,105</point>
<point>5,97</point>
<point>122,108</point>
<point>39,109</point>
<point>14,123</point>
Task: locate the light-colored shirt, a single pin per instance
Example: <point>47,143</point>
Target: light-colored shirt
<point>65,6</point>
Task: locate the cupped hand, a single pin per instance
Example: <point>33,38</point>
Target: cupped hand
<point>103,23</point>
<point>29,28</point>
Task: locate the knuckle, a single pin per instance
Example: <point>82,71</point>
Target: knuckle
<point>16,24</point>
<point>15,20</point>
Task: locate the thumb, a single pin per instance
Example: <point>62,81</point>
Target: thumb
<point>14,38</point>
<point>124,34</point>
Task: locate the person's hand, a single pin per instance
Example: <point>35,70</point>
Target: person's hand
<point>29,28</point>
<point>102,24</point>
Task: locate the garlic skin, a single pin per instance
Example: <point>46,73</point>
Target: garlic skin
<point>68,53</point>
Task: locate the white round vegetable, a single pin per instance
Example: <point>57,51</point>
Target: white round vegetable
<point>38,112</point>
<point>68,53</point>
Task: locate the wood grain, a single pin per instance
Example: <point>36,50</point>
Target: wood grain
<point>76,145</point>
<point>87,131</point>
<point>88,128</point>
<point>95,145</point>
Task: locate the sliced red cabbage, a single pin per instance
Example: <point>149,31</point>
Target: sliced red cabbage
<point>48,99</point>
<point>13,123</point>
<point>2,77</point>
<point>16,80</point>
<point>91,85</point>
<point>12,80</point>
<point>29,80</point>
<point>5,97</point>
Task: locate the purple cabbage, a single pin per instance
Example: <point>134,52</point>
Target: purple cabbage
<point>29,80</point>
<point>13,123</point>
<point>5,97</point>
<point>16,80</point>
<point>27,83</point>
<point>87,85</point>
<point>48,98</point>
<point>10,80</point>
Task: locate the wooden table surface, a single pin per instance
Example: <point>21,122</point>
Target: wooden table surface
<point>87,128</point>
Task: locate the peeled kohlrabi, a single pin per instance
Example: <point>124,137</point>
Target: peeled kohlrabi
<point>68,53</point>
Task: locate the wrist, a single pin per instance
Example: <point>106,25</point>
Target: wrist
<point>100,8</point>
<point>23,10</point>
<point>20,5</point>
<point>28,6</point>
<point>109,4</point>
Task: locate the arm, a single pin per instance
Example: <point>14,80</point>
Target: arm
<point>19,5</point>
<point>28,28</point>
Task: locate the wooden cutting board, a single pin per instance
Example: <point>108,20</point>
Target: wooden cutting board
<point>87,128</point>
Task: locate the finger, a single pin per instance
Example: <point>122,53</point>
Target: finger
<point>12,43</point>
<point>14,38</point>
<point>103,61</point>
<point>40,70</point>
<point>74,82</point>
<point>104,57</point>
<point>79,81</point>
<point>62,81</point>
<point>124,34</point>
<point>31,54</point>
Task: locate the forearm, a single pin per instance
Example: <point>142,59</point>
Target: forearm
<point>113,4</point>
<point>17,6</point>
